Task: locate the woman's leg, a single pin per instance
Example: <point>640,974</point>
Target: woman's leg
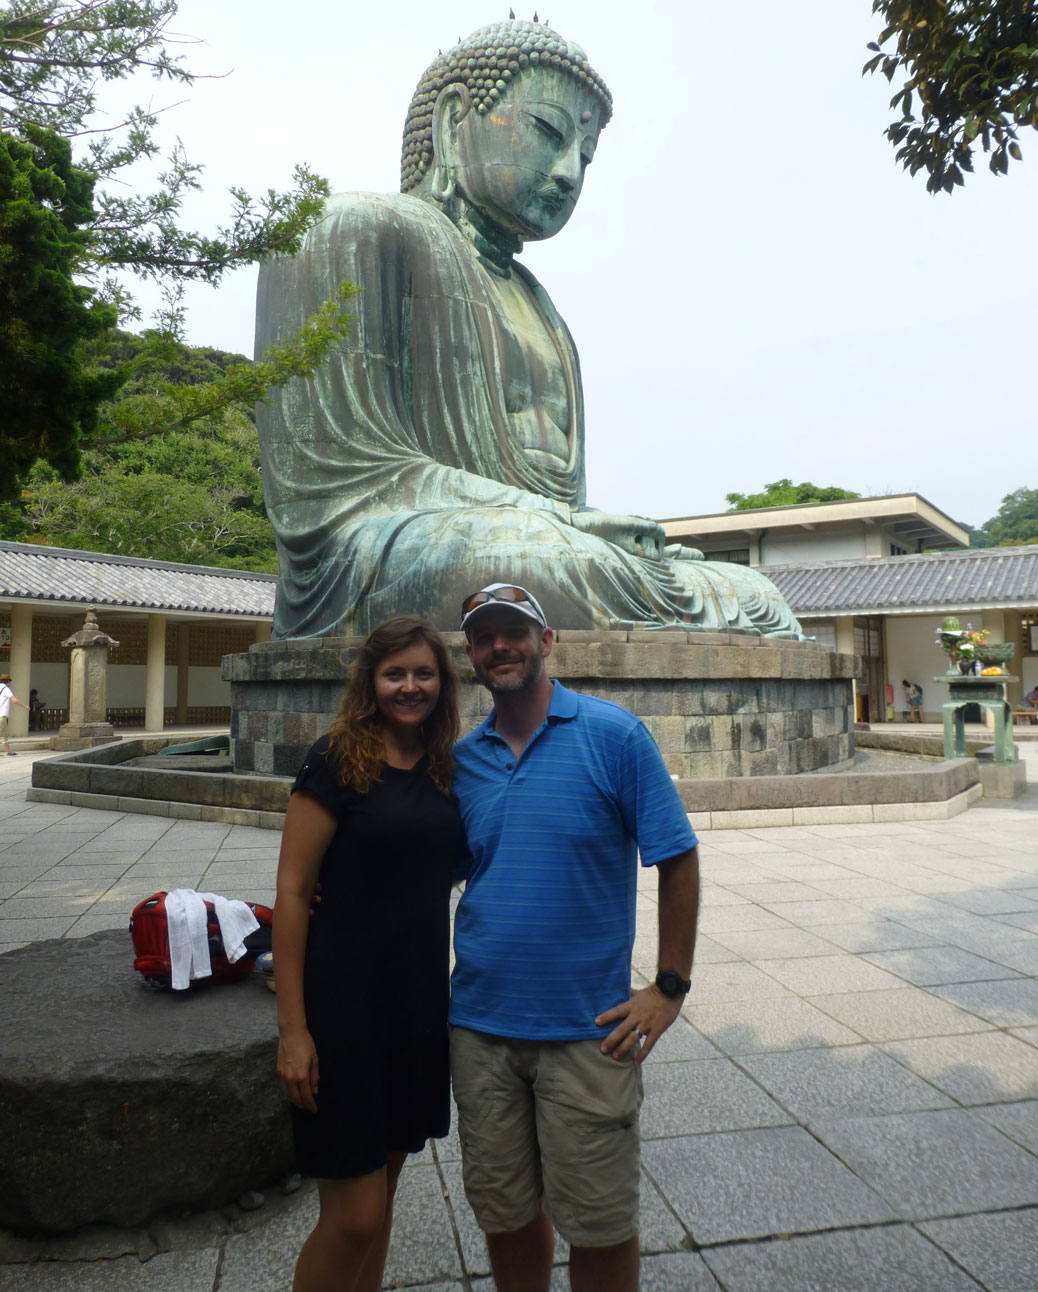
<point>374,1267</point>
<point>354,1213</point>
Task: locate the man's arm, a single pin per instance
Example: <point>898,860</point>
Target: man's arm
<point>649,1013</point>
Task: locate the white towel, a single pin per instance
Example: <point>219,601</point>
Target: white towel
<point>188,940</point>
<point>236,921</point>
<point>188,934</point>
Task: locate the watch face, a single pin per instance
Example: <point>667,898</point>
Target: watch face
<point>670,983</point>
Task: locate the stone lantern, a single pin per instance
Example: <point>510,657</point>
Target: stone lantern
<point>87,724</point>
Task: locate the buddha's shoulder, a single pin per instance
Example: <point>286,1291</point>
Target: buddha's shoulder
<point>382,214</point>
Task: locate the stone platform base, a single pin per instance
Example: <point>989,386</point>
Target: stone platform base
<point>718,704</point>
<point>83,735</point>
<point>1003,780</point>
<point>119,1101</point>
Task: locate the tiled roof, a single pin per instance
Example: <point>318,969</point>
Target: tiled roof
<point>931,581</point>
<point>31,573</point>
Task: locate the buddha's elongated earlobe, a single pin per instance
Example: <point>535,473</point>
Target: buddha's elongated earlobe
<point>443,185</point>
<point>452,106</point>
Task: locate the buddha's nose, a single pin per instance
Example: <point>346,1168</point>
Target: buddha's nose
<point>567,170</point>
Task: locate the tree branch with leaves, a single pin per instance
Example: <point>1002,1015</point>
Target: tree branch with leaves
<point>970,79</point>
<point>66,230</point>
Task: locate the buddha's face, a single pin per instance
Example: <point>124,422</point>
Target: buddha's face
<point>523,162</point>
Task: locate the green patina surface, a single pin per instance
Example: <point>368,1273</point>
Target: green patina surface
<point>443,447</point>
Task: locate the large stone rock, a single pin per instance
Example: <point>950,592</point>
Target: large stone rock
<point>119,1101</point>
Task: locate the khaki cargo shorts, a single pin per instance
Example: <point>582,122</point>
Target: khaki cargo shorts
<point>552,1122</point>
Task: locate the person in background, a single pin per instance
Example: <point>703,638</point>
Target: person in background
<point>362,986</point>
<point>914,700</point>
<point>36,707</point>
<point>7,698</point>
<point>1031,698</point>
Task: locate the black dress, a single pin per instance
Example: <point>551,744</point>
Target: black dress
<point>375,980</point>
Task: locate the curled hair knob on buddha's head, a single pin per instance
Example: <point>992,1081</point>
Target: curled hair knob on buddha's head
<point>485,64</point>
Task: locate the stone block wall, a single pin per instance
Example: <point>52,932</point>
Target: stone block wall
<point>717,704</point>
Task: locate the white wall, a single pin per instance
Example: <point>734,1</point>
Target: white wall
<point>791,549</point>
<point>206,688</point>
<point>912,654</point>
<point>51,680</point>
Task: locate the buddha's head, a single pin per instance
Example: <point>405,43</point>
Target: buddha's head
<point>507,121</point>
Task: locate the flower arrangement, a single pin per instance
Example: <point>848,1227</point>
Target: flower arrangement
<point>961,645</point>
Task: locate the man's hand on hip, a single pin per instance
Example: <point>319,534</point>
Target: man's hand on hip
<point>642,1019</point>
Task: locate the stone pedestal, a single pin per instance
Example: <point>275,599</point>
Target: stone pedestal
<point>88,683</point>
<point>718,704</point>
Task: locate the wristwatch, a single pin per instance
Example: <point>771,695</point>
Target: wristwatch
<point>672,984</point>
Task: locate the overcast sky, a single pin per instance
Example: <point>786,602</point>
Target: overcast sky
<point>756,289</point>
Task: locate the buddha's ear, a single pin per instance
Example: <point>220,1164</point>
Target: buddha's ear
<point>452,107</point>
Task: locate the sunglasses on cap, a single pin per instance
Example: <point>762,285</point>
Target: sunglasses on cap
<point>507,594</point>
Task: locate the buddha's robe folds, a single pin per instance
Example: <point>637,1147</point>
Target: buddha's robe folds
<point>396,480</point>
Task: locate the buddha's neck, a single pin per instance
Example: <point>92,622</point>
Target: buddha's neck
<point>496,244</point>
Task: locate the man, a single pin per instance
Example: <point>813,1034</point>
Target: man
<point>558,793</point>
<point>7,698</point>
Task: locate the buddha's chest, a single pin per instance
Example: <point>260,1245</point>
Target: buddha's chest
<point>532,374</point>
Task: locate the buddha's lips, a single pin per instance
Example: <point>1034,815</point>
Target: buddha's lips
<point>552,197</point>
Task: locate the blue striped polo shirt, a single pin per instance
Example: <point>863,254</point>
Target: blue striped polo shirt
<point>545,928</point>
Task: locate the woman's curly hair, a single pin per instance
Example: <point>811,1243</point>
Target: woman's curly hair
<point>356,740</point>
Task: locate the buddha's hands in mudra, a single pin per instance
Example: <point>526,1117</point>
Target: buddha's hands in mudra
<point>635,534</point>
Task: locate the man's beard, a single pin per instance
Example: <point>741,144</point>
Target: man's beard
<point>515,682</point>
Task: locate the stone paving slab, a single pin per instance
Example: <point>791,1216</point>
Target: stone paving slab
<point>883,1259</point>
<point>935,966</point>
<point>691,1098</point>
<point>845,1082</point>
<point>1000,1250</point>
<point>167,1272</point>
<point>1018,1121</point>
<point>1006,1004</point>
<point>980,1068</point>
<point>785,1023</point>
<point>749,1184</point>
<point>932,1164</point>
<point>898,1015</point>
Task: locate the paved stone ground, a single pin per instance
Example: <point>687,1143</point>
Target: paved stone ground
<point>849,1102</point>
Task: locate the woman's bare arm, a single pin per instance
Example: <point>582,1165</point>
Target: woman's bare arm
<point>309,830</point>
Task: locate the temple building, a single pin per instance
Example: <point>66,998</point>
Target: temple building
<point>875,576</point>
<point>174,623</point>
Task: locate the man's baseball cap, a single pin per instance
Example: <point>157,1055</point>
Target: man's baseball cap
<point>509,595</point>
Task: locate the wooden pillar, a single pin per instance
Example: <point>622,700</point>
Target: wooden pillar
<point>845,646</point>
<point>183,670</point>
<point>263,630</point>
<point>155,675</point>
<point>21,666</point>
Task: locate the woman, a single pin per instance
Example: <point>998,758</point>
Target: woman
<point>362,987</point>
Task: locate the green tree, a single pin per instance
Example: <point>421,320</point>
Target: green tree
<point>784,493</point>
<point>970,70</point>
<point>48,399</point>
<point>192,494</point>
<point>1015,523</point>
<point>55,57</point>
